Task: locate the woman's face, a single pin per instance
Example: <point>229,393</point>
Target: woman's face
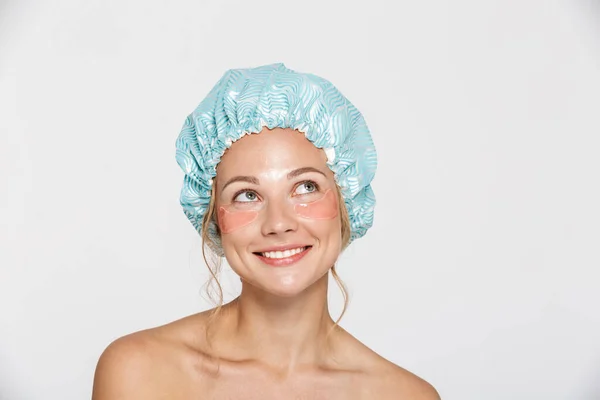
<point>278,211</point>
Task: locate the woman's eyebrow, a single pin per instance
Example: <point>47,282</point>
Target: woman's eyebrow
<point>304,170</point>
<point>255,181</point>
<point>249,179</point>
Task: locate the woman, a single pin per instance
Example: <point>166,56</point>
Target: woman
<point>278,166</point>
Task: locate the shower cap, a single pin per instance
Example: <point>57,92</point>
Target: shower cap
<point>244,101</point>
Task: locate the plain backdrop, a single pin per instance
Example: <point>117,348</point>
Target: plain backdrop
<point>480,273</point>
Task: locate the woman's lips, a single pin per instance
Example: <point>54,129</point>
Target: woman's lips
<point>283,262</point>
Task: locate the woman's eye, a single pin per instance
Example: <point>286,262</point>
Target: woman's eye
<point>306,187</point>
<point>245,197</point>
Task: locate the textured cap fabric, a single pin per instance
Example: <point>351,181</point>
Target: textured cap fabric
<point>243,102</point>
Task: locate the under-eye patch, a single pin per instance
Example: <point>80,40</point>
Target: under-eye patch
<point>230,221</point>
<point>324,208</point>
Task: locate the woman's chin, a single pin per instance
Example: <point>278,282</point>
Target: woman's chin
<point>283,287</point>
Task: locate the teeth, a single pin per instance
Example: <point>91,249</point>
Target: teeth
<point>283,254</point>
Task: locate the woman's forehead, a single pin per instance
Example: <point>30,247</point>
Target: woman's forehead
<point>276,149</point>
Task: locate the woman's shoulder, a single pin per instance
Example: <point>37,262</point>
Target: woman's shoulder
<point>137,365</point>
<point>394,382</point>
<point>175,337</point>
<point>383,379</point>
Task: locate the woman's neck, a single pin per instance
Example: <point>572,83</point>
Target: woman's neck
<point>283,333</point>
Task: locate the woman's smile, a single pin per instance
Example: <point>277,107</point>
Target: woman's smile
<point>283,257</point>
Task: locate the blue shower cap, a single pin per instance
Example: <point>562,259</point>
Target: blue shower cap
<point>243,102</point>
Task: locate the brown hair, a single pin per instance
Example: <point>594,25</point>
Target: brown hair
<point>213,261</point>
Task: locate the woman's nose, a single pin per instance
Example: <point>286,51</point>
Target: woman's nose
<point>280,218</point>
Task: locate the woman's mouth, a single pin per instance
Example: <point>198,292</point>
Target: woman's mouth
<point>283,258</point>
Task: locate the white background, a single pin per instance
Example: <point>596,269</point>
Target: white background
<point>481,271</point>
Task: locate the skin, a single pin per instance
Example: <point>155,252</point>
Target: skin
<point>271,340</point>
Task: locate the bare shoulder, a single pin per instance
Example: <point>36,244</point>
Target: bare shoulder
<point>399,383</point>
<point>123,367</point>
<point>386,380</point>
<point>147,364</point>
